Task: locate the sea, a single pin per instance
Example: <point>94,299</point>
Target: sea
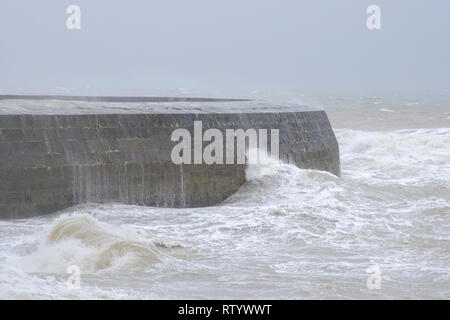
<point>379,231</point>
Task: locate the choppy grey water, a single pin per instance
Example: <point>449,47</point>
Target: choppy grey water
<point>296,234</point>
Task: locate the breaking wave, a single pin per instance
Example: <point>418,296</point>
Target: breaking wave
<point>82,240</point>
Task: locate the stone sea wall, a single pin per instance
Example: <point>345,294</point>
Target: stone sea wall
<point>50,162</point>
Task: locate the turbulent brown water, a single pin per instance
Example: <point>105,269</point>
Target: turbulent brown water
<point>291,234</point>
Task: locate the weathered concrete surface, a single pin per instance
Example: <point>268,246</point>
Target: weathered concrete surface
<point>54,154</point>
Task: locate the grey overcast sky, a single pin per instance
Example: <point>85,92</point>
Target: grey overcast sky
<point>241,45</point>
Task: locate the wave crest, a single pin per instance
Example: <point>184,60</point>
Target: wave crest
<point>93,246</point>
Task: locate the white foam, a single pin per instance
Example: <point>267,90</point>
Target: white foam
<point>265,166</point>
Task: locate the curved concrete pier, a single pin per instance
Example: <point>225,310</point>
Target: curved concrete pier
<point>56,152</point>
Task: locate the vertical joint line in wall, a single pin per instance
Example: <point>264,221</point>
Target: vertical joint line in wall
<point>126,180</point>
<point>142,184</point>
<point>183,196</point>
